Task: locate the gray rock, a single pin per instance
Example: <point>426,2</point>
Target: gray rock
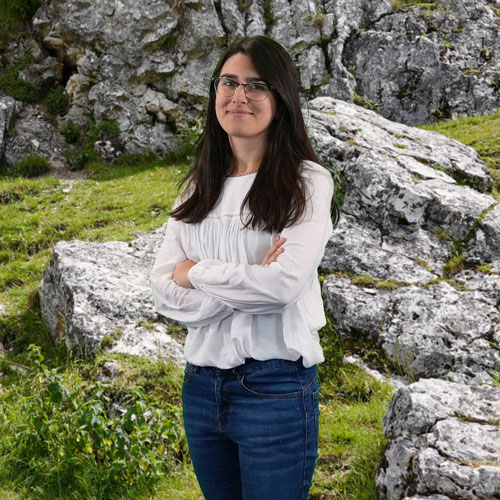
<point>431,331</point>
<point>423,154</point>
<point>484,247</point>
<point>7,109</point>
<point>415,64</point>
<point>430,61</point>
<point>97,296</point>
<point>44,75</point>
<point>33,135</point>
<point>110,370</point>
<point>357,248</point>
<point>402,221</point>
<point>443,442</point>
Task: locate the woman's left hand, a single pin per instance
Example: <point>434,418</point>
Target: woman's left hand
<point>181,273</point>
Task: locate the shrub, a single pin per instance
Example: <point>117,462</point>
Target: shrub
<point>107,129</point>
<point>71,132</point>
<point>78,161</point>
<point>72,444</point>
<point>13,86</point>
<point>33,166</point>
<point>57,101</point>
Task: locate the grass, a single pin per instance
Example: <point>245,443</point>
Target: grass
<point>479,132</point>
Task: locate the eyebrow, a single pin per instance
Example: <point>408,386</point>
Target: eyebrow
<point>235,77</point>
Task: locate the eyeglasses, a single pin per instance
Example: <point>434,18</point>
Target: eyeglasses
<point>255,91</point>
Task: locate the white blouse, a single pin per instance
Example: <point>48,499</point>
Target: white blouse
<point>239,309</point>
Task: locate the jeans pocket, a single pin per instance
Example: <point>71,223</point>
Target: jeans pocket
<point>277,383</point>
<point>188,374</point>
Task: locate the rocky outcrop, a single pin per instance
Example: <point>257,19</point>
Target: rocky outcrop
<point>408,231</point>
<point>147,65</point>
<point>436,60</point>
<point>97,296</point>
<point>406,223</point>
<point>31,134</point>
<point>444,443</point>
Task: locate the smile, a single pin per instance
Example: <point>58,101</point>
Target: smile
<point>239,113</point>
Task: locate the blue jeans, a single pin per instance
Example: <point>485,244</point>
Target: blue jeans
<point>252,430</point>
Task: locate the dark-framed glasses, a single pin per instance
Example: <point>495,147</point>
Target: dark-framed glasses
<point>255,91</point>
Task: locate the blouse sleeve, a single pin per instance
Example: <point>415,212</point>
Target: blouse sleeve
<point>266,289</point>
<point>192,307</point>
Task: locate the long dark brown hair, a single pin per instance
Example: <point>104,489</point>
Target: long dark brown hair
<point>277,197</point>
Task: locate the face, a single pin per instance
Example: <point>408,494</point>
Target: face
<point>237,115</point>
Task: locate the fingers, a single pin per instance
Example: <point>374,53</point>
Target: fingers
<point>274,252</point>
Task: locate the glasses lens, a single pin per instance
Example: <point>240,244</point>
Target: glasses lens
<point>225,87</point>
<point>257,91</point>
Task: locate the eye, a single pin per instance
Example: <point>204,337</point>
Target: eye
<point>258,87</point>
<point>229,83</point>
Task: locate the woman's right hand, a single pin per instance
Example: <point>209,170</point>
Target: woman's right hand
<point>275,251</point>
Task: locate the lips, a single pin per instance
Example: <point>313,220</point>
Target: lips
<point>239,112</point>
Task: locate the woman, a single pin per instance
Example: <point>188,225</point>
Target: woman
<point>239,267</point>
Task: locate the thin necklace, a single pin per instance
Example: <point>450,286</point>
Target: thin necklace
<point>244,173</point>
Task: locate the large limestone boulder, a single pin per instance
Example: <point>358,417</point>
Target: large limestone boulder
<point>406,223</point>
<point>7,109</point>
<point>96,296</point>
<point>444,443</point>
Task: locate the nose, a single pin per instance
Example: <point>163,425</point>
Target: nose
<point>240,95</point>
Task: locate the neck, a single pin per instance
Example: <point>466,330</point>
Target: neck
<point>248,154</point>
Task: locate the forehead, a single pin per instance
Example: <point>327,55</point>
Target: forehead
<point>241,67</point>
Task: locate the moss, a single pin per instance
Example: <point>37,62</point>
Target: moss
<point>364,102</point>
<point>11,85</point>
<point>110,340</point>
<point>443,235</point>
<point>454,265</point>
<point>268,15</point>
<point>316,20</point>
<point>485,268</point>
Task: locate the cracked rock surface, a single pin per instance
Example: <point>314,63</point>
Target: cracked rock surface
<point>444,443</point>
<point>97,296</point>
<point>405,259</point>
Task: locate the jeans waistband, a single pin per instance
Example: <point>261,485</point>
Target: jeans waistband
<point>250,365</point>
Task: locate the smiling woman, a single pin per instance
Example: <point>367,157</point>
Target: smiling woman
<point>238,267</point>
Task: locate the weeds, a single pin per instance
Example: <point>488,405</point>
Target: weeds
<point>73,440</point>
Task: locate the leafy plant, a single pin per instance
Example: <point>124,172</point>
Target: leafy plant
<point>57,101</point>
<point>71,440</point>
<point>11,85</point>
<point>19,9</point>
<point>71,132</point>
